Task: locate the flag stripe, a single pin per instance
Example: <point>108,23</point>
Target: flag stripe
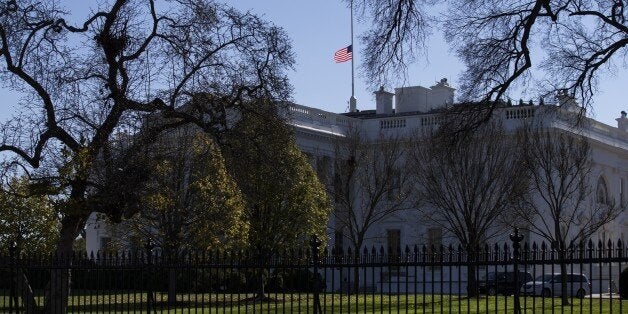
<point>344,54</point>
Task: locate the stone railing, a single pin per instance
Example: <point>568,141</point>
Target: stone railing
<point>307,115</point>
<point>392,123</point>
<point>520,112</point>
<point>431,120</point>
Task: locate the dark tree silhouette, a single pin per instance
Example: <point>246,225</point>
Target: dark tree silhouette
<point>85,85</point>
<point>563,210</point>
<point>467,184</point>
<point>370,184</point>
<point>496,39</point>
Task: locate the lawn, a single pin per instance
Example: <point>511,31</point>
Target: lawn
<point>131,302</point>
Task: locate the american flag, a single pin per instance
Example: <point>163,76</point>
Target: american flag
<point>344,54</point>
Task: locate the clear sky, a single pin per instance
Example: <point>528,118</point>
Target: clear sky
<point>318,28</point>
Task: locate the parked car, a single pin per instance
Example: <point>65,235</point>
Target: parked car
<point>548,285</point>
<point>503,282</point>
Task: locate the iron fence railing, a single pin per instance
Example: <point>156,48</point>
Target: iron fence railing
<point>443,279</point>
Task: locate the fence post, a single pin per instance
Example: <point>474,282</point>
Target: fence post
<point>150,299</point>
<point>12,293</point>
<point>315,243</point>
<point>516,238</point>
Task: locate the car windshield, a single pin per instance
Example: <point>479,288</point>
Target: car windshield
<point>544,278</point>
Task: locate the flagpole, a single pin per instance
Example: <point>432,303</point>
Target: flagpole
<point>352,100</point>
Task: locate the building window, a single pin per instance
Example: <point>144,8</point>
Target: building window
<point>338,184</point>
<point>622,192</point>
<point>525,232</point>
<point>338,243</point>
<point>394,185</point>
<point>322,168</point>
<point>393,240</point>
<point>434,239</point>
<point>602,191</point>
<point>434,243</point>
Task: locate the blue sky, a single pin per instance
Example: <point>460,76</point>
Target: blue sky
<point>318,28</point>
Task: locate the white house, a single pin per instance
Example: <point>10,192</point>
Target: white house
<point>414,108</point>
<point>411,108</point>
<point>315,130</point>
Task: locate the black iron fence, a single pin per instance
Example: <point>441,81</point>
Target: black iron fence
<point>371,280</point>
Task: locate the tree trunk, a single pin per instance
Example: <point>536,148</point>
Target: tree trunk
<point>24,288</point>
<point>172,259</point>
<point>356,270</point>
<point>356,278</point>
<point>261,284</point>
<point>472,281</point>
<point>58,289</point>
<point>560,249</point>
<point>172,285</point>
<point>563,278</point>
<point>262,259</point>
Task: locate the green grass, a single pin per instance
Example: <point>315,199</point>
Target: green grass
<point>330,303</point>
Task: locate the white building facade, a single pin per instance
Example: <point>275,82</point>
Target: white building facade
<point>315,131</point>
<point>409,109</point>
<point>416,108</point>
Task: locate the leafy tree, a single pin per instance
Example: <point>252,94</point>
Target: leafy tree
<point>285,202</point>
<point>467,184</point>
<point>83,84</point>
<point>190,201</point>
<point>27,219</point>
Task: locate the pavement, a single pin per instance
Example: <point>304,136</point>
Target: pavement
<point>603,296</point>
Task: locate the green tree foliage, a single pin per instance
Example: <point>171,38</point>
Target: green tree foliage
<point>27,219</point>
<point>190,201</point>
<point>286,203</point>
<point>84,83</point>
<point>81,84</point>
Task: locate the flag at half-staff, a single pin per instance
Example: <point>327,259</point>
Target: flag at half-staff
<point>344,54</point>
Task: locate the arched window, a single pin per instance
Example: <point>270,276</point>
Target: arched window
<point>601,191</point>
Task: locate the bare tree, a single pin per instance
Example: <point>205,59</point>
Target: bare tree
<point>497,41</point>
<point>83,84</point>
<point>466,184</point>
<point>370,184</point>
<point>561,208</point>
<point>397,37</point>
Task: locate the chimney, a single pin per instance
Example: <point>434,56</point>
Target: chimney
<point>568,102</point>
<point>622,122</point>
<point>353,104</point>
<point>383,101</point>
